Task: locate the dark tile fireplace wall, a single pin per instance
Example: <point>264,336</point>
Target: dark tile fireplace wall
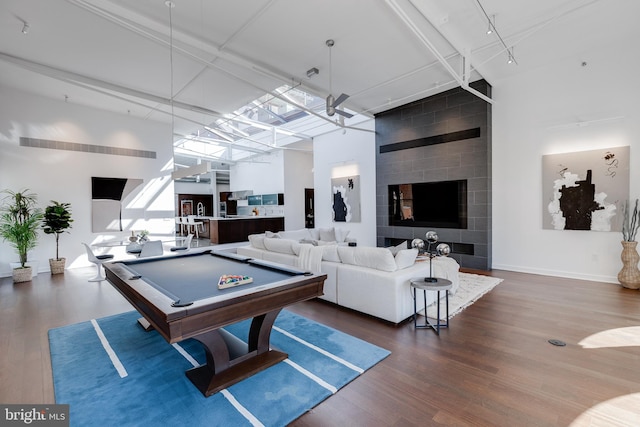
<point>440,138</point>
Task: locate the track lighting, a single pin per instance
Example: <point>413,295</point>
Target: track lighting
<point>491,24</point>
<point>492,29</point>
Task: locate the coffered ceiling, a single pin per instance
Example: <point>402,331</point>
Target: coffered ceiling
<point>214,57</point>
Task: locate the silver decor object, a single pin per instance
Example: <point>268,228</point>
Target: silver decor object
<point>418,244</point>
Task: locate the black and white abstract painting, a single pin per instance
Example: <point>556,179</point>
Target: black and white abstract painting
<point>585,190</point>
<point>346,198</point>
<point>107,197</point>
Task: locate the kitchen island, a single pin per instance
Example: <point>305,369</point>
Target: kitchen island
<point>238,228</point>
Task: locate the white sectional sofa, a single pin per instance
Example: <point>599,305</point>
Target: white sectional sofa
<point>371,280</point>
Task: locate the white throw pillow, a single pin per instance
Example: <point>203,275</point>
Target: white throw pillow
<point>341,234</point>
<point>328,234</point>
<point>257,240</point>
<point>395,249</point>
<point>283,246</point>
<point>272,235</point>
<point>314,233</point>
<point>376,258</point>
<point>406,258</point>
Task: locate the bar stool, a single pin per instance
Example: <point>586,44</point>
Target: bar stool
<point>191,222</point>
<point>180,225</point>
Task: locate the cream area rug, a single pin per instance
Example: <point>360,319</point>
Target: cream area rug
<point>472,287</point>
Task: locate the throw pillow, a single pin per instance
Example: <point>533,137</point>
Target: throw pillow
<point>328,234</point>
<point>395,249</point>
<point>272,235</point>
<point>341,234</point>
<point>406,258</point>
<point>257,240</point>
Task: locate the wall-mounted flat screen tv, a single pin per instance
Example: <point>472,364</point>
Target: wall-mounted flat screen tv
<point>441,204</point>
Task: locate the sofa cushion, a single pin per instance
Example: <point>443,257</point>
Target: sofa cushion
<point>376,258</point>
<point>283,246</point>
<point>314,233</point>
<point>257,240</point>
<point>330,253</point>
<point>406,258</point>
<point>297,235</point>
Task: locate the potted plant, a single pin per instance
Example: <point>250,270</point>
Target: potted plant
<point>629,276</point>
<point>19,222</point>
<point>57,219</point>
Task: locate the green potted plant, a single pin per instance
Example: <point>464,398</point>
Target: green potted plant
<point>57,219</point>
<point>19,222</point>
<point>629,276</point>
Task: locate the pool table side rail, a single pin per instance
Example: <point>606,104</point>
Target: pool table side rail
<point>178,323</point>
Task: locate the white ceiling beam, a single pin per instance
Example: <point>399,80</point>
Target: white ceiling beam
<point>432,48</point>
<point>200,169</point>
<point>147,28</point>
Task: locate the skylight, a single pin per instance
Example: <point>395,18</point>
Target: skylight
<point>251,129</point>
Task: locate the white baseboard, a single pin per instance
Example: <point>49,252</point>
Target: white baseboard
<point>556,273</point>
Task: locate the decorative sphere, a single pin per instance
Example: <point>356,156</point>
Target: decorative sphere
<point>443,249</point>
<point>431,236</point>
<point>418,244</point>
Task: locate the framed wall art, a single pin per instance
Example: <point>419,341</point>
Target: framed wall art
<point>585,190</point>
<point>346,199</point>
<point>107,197</point>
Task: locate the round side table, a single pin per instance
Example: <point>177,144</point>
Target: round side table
<point>430,284</point>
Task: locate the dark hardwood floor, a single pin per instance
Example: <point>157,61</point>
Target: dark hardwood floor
<point>493,367</point>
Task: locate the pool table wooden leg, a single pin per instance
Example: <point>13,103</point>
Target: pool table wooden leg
<point>260,331</point>
<point>230,360</point>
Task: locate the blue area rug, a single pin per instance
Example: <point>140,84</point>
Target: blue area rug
<point>111,372</point>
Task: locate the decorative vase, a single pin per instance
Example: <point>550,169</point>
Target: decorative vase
<point>57,265</point>
<point>629,276</point>
<point>22,274</point>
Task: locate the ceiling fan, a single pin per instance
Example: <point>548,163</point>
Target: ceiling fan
<point>333,103</point>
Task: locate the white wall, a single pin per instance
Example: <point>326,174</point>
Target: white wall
<point>532,117</point>
<point>263,175</point>
<point>352,153</point>
<point>65,176</point>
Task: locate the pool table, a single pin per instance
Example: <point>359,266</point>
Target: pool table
<point>179,296</point>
